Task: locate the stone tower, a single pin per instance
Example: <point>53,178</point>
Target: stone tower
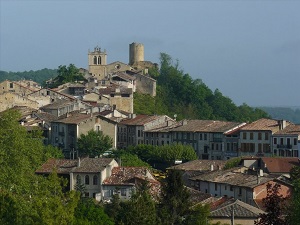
<point>136,53</point>
<point>97,63</point>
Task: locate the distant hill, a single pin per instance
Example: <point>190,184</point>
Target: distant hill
<point>287,113</point>
<point>178,94</point>
<point>39,76</point>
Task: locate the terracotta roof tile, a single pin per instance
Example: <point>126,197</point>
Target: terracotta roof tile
<point>207,126</point>
<point>263,125</point>
<point>289,130</point>
<point>280,164</point>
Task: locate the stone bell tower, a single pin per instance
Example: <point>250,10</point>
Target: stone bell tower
<point>97,63</point>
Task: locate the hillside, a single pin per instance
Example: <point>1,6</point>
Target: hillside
<point>178,93</point>
<point>286,113</point>
<point>39,76</point>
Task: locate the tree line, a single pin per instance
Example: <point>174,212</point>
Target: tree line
<point>178,93</point>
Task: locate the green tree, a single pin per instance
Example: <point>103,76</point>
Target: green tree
<point>88,212</point>
<point>29,198</point>
<point>231,163</point>
<point>294,207</point>
<point>198,215</point>
<point>67,74</point>
<point>274,207</point>
<point>140,209</point>
<point>94,143</point>
<point>175,200</point>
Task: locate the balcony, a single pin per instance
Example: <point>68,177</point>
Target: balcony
<point>217,140</point>
<point>285,146</point>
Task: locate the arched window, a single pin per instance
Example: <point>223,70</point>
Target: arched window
<point>99,60</point>
<point>95,60</point>
<point>95,180</point>
<point>87,179</point>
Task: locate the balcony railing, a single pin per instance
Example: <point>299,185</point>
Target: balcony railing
<point>285,146</point>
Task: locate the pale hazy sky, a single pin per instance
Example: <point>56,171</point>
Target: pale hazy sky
<point>249,50</point>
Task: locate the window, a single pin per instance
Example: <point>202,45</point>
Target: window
<point>205,137</point>
<point>217,147</point>
<point>281,141</point>
<point>295,141</point>
<point>200,137</point>
<point>87,179</point>
<point>212,146</point>
<point>266,136</point>
<point>240,191</point>
<point>251,136</point>
<point>231,188</point>
<point>259,147</point>
<point>95,60</point>
<point>95,180</point>
<point>288,141</point>
<point>259,136</point>
<point>123,192</point>
<point>87,194</point>
<point>99,60</point>
<point>275,141</point>
<point>216,186</point>
<point>244,135</point>
<point>11,85</point>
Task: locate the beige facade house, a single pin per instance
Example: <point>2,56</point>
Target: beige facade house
<point>256,137</point>
<point>286,142</point>
<point>118,97</point>
<point>235,183</point>
<point>207,137</point>
<point>125,180</point>
<point>21,87</point>
<point>91,172</point>
<point>10,99</point>
<point>67,129</point>
<point>131,130</point>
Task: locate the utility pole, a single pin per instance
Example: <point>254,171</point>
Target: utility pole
<point>232,215</point>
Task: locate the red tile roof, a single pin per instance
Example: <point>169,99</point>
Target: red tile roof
<point>263,125</point>
<point>280,164</point>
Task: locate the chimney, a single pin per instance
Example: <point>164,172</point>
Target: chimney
<point>258,178</point>
<point>211,167</point>
<point>281,124</point>
<point>123,171</point>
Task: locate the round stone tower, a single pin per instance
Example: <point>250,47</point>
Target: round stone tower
<point>136,53</point>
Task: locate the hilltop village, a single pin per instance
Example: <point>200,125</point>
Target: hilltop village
<point>266,149</point>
